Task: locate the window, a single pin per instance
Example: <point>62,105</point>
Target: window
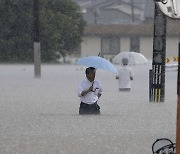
<point>110,45</point>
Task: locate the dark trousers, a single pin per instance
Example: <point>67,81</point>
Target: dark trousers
<point>89,108</point>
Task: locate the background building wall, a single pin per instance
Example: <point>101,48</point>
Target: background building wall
<point>125,44</point>
<point>91,46</point>
<point>146,46</point>
<point>172,47</point>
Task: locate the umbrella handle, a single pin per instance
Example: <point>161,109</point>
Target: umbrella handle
<point>92,84</point>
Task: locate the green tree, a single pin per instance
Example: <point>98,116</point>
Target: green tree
<point>15,31</point>
<point>61,29</point>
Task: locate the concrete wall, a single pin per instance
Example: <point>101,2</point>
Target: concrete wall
<point>125,44</point>
<point>172,47</point>
<point>90,46</point>
<point>146,47</point>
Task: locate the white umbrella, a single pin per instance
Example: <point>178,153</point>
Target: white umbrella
<point>134,58</point>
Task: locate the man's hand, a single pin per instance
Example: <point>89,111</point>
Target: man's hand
<point>87,91</point>
<point>91,88</point>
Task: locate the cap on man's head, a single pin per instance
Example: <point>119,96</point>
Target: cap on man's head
<point>89,69</point>
<point>125,61</point>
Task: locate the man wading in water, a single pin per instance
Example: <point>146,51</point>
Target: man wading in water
<point>89,91</point>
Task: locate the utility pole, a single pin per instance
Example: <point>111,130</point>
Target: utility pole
<point>171,8</point>
<point>157,91</point>
<point>132,10</point>
<point>37,51</point>
<point>178,103</point>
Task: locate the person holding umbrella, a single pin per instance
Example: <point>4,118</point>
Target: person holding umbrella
<point>125,75</point>
<point>89,91</point>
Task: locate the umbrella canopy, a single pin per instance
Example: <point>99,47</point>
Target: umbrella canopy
<point>97,62</point>
<point>134,58</point>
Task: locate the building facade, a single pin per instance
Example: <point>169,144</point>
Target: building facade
<point>122,25</point>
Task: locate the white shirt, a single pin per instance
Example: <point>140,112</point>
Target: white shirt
<point>125,72</point>
<point>91,97</point>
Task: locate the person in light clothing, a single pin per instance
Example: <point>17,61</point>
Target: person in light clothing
<point>89,91</point>
<point>125,75</point>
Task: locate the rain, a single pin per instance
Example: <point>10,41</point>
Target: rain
<point>39,113</point>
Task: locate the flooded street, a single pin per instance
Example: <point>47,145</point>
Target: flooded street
<point>40,116</point>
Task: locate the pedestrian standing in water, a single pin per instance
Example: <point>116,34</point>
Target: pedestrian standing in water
<point>125,76</point>
<point>89,91</point>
